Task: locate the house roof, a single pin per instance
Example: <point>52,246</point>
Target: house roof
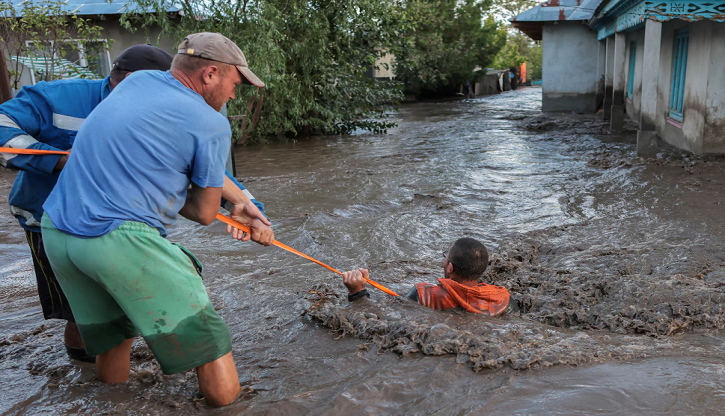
<point>531,22</point>
<point>94,7</point>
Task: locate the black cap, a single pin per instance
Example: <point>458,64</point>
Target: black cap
<point>143,57</point>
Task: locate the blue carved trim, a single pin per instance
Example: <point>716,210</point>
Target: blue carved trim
<point>627,19</point>
<point>692,10</point>
<point>622,15</point>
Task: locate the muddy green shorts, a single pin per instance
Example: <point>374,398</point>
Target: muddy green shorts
<point>133,278</point>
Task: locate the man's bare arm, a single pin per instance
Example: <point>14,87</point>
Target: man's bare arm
<point>202,204</point>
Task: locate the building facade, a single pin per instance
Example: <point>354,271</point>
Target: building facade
<point>87,60</point>
<point>662,64</point>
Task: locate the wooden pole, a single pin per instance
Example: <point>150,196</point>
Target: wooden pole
<point>5,91</point>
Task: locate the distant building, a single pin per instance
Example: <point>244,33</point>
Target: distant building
<point>570,80</point>
<point>76,63</point>
<point>662,64</point>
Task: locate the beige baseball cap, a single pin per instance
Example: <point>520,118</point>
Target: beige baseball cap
<point>217,47</point>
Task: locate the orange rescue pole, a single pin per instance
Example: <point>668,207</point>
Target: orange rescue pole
<point>220,217</point>
<point>223,218</point>
<point>32,151</point>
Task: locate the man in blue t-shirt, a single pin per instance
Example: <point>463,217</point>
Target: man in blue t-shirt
<point>152,150</point>
<point>47,116</point>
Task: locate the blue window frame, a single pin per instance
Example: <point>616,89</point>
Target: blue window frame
<point>632,58</point>
<point>679,67</point>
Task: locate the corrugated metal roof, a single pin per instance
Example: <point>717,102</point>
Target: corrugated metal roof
<point>532,21</point>
<point>556,10</point>
<point>93,7</point>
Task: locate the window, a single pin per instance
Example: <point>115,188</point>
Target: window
<point>679,67</point>
<point>71,59</point>
<point>632,58</point>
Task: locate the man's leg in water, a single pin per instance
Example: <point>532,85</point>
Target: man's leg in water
<point>114,365</point>
<point>52,299</point>
<point>218,381</point>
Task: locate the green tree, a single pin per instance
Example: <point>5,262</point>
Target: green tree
<point>533,62</point>
<point>312,55</point>
<point>508,57</point>
<point>530,50</point>
<point>510,8</point>
<point>444,43</point>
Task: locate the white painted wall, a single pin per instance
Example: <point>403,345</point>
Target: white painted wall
<point>569,71</point>
<point>633,108</point>
<point>714,134</point>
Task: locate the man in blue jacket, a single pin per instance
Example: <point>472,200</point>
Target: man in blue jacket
<point>47,116</point>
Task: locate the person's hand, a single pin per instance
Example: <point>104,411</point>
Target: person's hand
<point>354,280</point>
<point>246,214</point>
<point>261,233</point>
<point>61,162</point>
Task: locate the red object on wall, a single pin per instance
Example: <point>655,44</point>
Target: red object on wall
<point>522,72</point>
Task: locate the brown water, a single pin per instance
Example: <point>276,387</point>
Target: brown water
<point>616,263</point>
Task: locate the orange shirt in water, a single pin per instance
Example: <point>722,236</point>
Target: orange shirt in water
<point>485,299</point>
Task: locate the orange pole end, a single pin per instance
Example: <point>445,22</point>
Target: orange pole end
<point>223,218</point>
<point>32,151</point>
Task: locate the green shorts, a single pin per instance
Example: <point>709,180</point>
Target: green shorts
<point>133,280</point>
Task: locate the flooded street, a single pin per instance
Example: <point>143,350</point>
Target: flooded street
<point>616,263</point>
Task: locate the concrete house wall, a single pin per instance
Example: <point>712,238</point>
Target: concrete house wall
<point>569,67</point>
<point>703,115</point>
<point>634,104</point>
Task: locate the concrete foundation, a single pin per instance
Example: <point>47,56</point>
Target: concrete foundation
<point>578,103</point>
<point>647,143</point>
<point>617,117</point>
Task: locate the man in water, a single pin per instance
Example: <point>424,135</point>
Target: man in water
<point>47,116</point>
<point>463,264</point>
<point>152,150</point>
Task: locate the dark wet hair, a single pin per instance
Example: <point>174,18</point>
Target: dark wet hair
<point>469,258</point>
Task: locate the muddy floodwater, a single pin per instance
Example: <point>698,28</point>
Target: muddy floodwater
<point>616,264</point>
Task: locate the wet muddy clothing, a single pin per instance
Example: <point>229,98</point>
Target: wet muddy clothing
<point>47,116</point>
<point>105,222</point>
<point>52,299</point>
<point>449,294</point>
<point>133,280</point>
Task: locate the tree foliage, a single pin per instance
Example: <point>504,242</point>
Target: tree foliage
<point>45,29</point>
<point>530,50</point>
<point>509,57</point>
<point>445,42</point>
<point>510,8</point>
<point>312,55</point>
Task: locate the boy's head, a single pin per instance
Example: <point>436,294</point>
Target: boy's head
<point>468,257</point>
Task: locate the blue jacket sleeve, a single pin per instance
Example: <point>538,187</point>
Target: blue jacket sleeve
<point>22,121</point>
<point>254,201</point>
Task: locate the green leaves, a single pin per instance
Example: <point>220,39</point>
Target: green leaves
<point>312,55</point>
<point>444,41</point>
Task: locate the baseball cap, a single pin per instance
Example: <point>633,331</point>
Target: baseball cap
<point>217,47</point>
<point>143,57</point>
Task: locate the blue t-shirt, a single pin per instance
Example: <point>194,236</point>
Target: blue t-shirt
<point>135,155</point>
